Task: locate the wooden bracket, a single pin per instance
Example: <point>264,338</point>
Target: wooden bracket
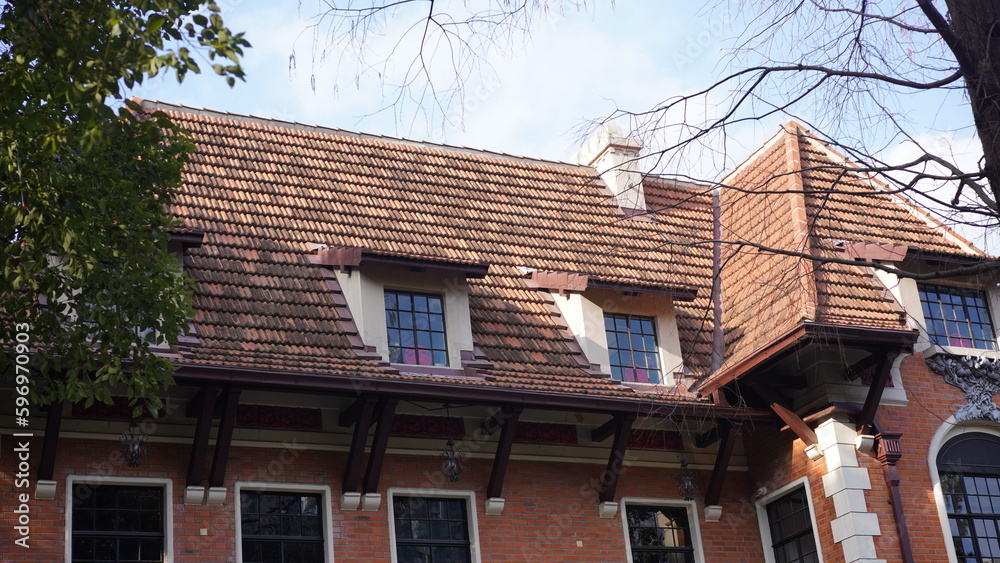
<point>727,437</point>
<point>501,459</point>
<point>386,411</point>
<point>604,431</point>
<point>609,478</point>
<point>352,469</point>
<point>706,439</point>
<point>199,447</point>
<point>777,404</point>
<point>47,465</point>
<point>224,439</point>
<point>883,371</point>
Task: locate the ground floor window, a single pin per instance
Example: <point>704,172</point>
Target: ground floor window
<point>969,466</point>
<point>659,534</point>
<point>431,529</point>
<point>117,523</point>
<point>789,520</point>
<point>281,527</point>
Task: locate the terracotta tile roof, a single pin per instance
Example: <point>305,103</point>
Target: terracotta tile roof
<point>265,192</point>
<point>797,194</point>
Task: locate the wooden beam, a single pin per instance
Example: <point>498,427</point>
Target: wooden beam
<point>727,435</point>
<point>47,465</point>
<point>801,429</point>
<point>708,438</point>
<point>349,415</point>
<point>855,370</point>
<point>352,469</point>
<point>609,478</point>
<point>193,408</point>
<point>386,410</point>
<point>199,448</point>
<point>501,459</point>
<point>882,373</point>
<point>602,432</point>
<point>496,421</point>
<point>224,439</point>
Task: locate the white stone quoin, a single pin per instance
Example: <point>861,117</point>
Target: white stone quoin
<point>854,528</point>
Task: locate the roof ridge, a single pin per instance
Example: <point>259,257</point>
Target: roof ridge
<point>807,298</point>
<point>157,104</point>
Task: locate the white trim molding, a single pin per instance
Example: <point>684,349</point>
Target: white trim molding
<point>692,513</point>
<point>470,505</point>
<point>98,480</point>
<point>326,513</point>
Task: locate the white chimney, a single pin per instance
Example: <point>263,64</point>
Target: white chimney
<point>616,158</point>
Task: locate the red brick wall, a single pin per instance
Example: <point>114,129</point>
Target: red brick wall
<point>931,402</point>
<point>550,507</point>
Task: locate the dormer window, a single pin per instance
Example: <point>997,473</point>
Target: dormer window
<point>627,330</point>
<point>956,316</point>
<point>415,328</point>
<point>632,347</point>
<point>412,313</point>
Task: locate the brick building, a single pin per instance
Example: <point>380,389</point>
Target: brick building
<point>410,352</point>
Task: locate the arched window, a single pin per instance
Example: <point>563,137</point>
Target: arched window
<point>969,466</point>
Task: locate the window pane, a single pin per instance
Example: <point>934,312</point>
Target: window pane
<point>288,529</point>
<point>415,328</point>
<point>632,348</point>
<point>790,522</point>
<point>659,533</point>
<point>957,316</point>
<point>117,523</point>
<point>431,529</point>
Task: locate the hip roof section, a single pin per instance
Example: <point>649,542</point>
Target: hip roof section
<point>265,193</point>
<point>786,213</point>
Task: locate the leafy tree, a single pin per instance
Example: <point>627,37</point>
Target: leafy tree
<point>89,286</point>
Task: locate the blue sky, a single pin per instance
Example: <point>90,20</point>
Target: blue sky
<point>573,67</point>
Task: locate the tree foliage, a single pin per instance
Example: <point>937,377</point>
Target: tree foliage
<point>85,178</point>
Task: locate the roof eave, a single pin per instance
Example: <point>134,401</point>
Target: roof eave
<point>436,391</point>
<point>801,335</point>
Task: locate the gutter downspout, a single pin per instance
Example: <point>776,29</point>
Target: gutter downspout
<point>889,453</point>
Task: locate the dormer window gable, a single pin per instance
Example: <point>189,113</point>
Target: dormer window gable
<point>952,315</point>
<point>628,330</point>
<point>412,313</point>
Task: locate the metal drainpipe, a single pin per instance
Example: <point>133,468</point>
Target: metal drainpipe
<point>889,453</point>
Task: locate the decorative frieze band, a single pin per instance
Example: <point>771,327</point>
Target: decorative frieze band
<point>978,378</point>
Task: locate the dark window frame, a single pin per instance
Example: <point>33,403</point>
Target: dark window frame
<point>91,503</point>
<point>957,316</point>
<point>408,342</point>
<point>651,553</point>
<point>969,473</point>
<point>252,496</point>
<point>785,509</point>
<point>401,519</point>
<point>620,328</point>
